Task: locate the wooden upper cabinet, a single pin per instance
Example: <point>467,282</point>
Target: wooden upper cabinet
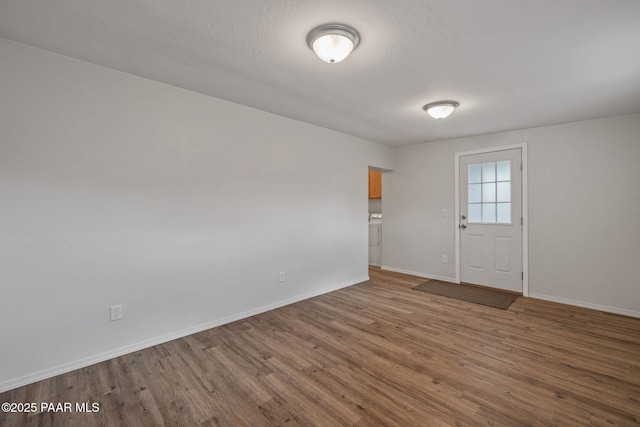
<point>375,185</point>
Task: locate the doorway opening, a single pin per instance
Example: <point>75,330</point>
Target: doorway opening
<point>375,217</point>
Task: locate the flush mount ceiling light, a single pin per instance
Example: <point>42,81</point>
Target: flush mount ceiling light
<point>441,109</point>
<point>333,42</point>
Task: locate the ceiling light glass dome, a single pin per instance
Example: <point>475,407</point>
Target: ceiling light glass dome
<point>333,42</point>
<point>441,109</point>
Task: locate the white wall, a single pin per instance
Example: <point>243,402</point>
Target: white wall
<point>584,199</point>
<point>375,206</point>
<point>183,208</point>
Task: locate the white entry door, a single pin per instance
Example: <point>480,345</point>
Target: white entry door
<point>491,219</point>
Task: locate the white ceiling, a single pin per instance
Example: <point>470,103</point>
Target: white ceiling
<point>511,64</point>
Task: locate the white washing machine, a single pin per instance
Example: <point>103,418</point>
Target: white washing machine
<point>375,239</point>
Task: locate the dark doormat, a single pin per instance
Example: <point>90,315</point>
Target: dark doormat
<point>475,294</point>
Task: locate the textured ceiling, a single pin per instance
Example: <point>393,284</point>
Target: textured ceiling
<point>511,64</point>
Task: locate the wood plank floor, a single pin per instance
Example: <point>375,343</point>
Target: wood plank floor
<point>374,354</point>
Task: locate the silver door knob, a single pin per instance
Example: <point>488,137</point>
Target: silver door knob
<point>464,217</point>
<point>463,226</point>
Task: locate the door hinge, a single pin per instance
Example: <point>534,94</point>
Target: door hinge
<point>521,220</point>
<point>521,167</point>
<point>522,275</point>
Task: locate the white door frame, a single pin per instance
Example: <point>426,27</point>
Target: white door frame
<point>525,214</point>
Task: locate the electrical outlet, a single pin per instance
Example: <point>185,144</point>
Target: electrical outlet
<point>445,259</point>
<point>116,312</point>
<point>282,276</point>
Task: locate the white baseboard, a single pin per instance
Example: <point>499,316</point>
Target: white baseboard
<point>583,304</point>
<point>121,351</point>
<point>416,273</point>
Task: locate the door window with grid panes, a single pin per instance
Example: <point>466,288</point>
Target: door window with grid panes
<point>490,192</point>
